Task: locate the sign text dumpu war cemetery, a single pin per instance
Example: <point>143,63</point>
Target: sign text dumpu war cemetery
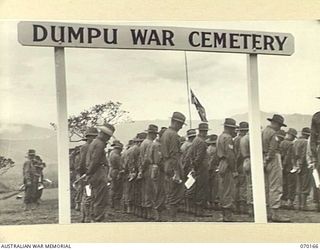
<point>155,38</point>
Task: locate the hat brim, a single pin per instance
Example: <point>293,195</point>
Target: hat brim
<point>305,133</point>
<point>151,131</point>
<point>243,129</point>
<point>91,134</point>
<point>178,120</point>
<point>211,141</point>
<point>230,126</point>
<point>192,135</point>
<point>272,120</point>
<point>105,130</point>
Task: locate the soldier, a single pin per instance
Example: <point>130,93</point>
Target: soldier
<point>315,151</point>
<point>30,180</point>
<point>124,163</point>
<point>116,174</point>
<point>74,159</point>
<point>304,173</point>
<point>170,149</point>
<point>288,173</point>
<point>199,162</point>
<point>272,167</point>
<point>240,185</point>
<point>131,165</point>
<point>157,177</point>
<point>81,169</point>
<point>97,174</point>
<point>213,176</point>
<point>40,165</point>
<point>246,166</point>
<point>227,168</point>
<point>186,168</point>
<point>132,197</point>
<point>145,171</point>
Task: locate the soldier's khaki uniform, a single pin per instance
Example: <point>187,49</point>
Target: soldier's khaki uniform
<point>240,181</point>
<point>245,154</point>
<point>199,162</point>
<point>305,174</point>
<point>30,180</point>
<point>273,171</point>
<point>131,193</point>
<point>145,170</point>
<point>170,149</point>
<point>227,165</point>
<point>97,172</point>
<point>288,179</point>
<point>213,175</point>
<point>116,178</point>
<point>157,179</point>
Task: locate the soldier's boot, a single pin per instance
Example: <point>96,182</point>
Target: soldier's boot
<point>77,207</point>
<point>129,209</point>
<point>269,214</point>
<point>243,208</point>
<point>276,217</point>
<point>124,208</point>
<point>283,204</point>
<point>27,207</point>
<point>227,215</point>
<point>157,215</point>
<point>217,206</point>
<point>237,208</point>
<point>250,211</point>
<point>290,205</point>
<point>304,203</point>
<point>173,212</point>
<point>149,213</point>
<point>117,206</point>
<point>200,212</point>
<point>300,201</point>
<point>193,207</point>
<point>187,206</point>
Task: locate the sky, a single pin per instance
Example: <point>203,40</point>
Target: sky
<point>152,84</point>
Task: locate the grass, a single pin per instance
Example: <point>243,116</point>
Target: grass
<point>12,212</point>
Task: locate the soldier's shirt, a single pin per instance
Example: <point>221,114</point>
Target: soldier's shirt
<point>237,146</point>
<point>287,154</point>
<point>270,145</point>
<point>29,171</point>
<point>184,152</point>
<point>96,156</point>
<point>145,152</point>
<point>155,153</point>
<point>170,145</point>
<point>300,151</point>
<point>83,155</point>
<point>225,150</point>
<point>315,138</point>
<point>212,157</point>
<point>133,158</point>
<point>198,154</point>
<point>115,160</point>
<point>245,146</point>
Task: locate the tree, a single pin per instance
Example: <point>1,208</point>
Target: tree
<point>109,112</point>
<point>5,164</point>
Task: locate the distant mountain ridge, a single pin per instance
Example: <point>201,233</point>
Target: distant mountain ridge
<point>16,139</point>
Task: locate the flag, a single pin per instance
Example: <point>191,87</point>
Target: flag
<point>199,107</point>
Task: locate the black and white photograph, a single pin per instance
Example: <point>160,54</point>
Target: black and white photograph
<point>160,122</point>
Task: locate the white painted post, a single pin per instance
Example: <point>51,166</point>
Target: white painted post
<point>258,186</point>
<point>63,139</point>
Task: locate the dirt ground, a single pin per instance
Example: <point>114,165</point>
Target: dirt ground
<point>216,216</point>
<point>12,213</point>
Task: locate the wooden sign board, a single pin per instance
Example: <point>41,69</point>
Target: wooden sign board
<point>153,38</point>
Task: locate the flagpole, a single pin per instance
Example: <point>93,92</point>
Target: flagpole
<point>188,88</point>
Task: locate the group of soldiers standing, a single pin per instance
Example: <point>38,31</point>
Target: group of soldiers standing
<point>157,170</point>
<point>33,180</point>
